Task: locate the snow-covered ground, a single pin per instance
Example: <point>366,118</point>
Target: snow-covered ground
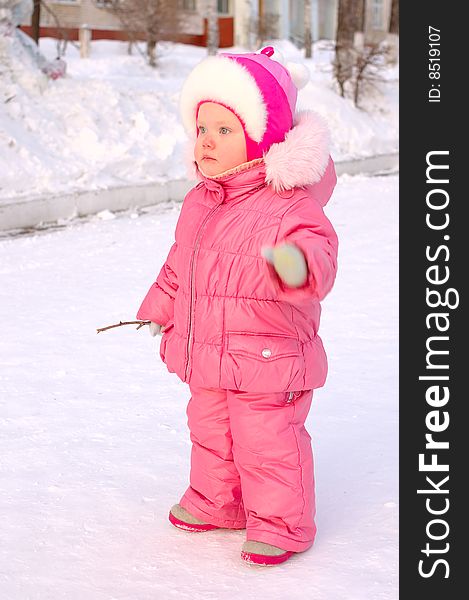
<point>94,447</point>
<point>114,120</point>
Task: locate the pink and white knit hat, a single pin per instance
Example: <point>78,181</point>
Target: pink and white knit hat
<point>260,91</point>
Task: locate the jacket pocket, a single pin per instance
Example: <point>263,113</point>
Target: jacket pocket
<point>257,362</point>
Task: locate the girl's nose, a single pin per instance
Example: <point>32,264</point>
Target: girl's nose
<point>207,142</point>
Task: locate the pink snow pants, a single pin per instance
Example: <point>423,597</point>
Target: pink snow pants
<point>252,465</point>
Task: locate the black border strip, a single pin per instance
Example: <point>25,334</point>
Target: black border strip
<point>432,273</point>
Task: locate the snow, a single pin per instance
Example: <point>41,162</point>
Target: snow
<point>94,446</point>
<point>114,120</point>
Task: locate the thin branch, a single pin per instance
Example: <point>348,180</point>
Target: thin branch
<point>59,28</point>
<point>139,323</point>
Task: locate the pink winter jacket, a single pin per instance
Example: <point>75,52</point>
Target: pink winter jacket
<point>229,320</point>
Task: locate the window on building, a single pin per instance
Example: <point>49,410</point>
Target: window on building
<point>223,7</point>
<point>377,9</point>
<point>189,5</point>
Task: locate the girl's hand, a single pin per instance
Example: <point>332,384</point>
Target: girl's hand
<point>155,329</point>
<point>289,263</point>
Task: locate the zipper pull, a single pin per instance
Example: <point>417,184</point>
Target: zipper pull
<point>292,396</point>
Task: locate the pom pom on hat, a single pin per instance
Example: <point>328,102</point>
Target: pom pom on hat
<point>299,73</point>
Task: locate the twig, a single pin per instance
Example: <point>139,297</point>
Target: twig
<point>60,29</point>
<point>139,323</point>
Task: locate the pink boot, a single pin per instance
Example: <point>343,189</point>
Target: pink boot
<point>265,555</point>
<point>182,519</point>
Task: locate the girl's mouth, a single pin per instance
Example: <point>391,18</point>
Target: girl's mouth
<point>208,158</point>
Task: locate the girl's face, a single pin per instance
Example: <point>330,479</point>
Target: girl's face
<point>220,141</point>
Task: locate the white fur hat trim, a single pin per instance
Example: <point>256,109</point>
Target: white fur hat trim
<point>224,80</point>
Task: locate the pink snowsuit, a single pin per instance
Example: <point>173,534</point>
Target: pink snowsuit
<point>247,344</point>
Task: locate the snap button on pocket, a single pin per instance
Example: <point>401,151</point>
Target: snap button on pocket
<point>261,362</point>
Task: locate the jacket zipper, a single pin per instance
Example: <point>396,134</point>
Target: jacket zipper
<point>259,187</point>
<point>292,396</point>
<point>199,235</point>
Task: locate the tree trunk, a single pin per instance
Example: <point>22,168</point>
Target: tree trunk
<point>343,64</point>
<point>359,14</point>
<point>151,52</point>
<point>260,23</point>
<point>212,27</point>
<point>308,38</point>
<point>35,20</point>
<point>394,20</point>
<point>359,8</point>
<point>346,22</point>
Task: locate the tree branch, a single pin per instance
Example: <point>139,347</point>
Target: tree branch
<point>139,323</point>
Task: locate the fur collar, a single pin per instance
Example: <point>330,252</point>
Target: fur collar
<point>300,160</point>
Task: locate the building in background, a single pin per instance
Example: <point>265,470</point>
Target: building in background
<point>71,15</point>
<point>238,20</point>
<point>324,19</point>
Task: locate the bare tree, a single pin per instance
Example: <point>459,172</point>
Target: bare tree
<point>150,20</point>
<point>263,26</point>
<point>350,21</point>
<point>35,19</point>
<point>260,23</point>
<point>62,33</point>
<point>394,20</point>
<point>308,38</point>
<point>211,11</point>
<point>367,65</point>
<point>343,63</point>
<point>358,8</point>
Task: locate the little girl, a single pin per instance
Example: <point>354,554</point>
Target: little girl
<point>238,300</point>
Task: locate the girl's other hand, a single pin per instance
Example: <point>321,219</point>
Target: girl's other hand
<point>289,263</point>
<point>155,329</point>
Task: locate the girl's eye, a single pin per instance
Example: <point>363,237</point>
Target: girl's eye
<point>223,130</point>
